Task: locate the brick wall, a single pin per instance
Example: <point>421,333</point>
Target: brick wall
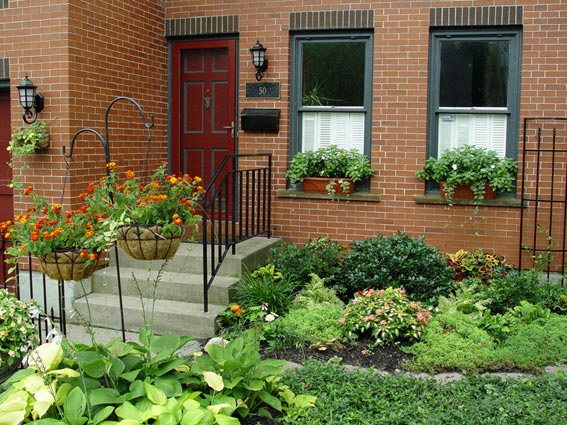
<point>81,55</point>
<point>400,77</point>
<point>84,55</point>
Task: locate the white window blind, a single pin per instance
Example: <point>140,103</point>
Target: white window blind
<point>483,130</point>
<point>344,129</point>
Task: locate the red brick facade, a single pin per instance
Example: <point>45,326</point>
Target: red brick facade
<point>82,56</point>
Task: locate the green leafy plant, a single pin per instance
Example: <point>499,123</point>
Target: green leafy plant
<point>473,166</point>
<point>387,315</point>
<point>399,261</point>
<point>331,162</point>
<point>18,333</point>
<point>166,200</point>
<point>316,293</point>
<point>265,287</point>
<point>29,139</point>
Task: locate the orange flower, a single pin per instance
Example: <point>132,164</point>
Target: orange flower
<point>28,190</point>
<point>177,219</point>
<point>130,174</point>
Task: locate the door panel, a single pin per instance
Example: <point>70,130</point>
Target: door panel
<point>6,199</point>
<point>203,105</point>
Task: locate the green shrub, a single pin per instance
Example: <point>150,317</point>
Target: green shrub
<point>265,287</point>
<point>520,285</point>
<point>321,256</point>
<point>398,261</point>
<point>387,315</point>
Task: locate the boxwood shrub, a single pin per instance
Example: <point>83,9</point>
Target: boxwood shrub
<point>398,261</point>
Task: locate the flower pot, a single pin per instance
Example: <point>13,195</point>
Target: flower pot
<point>319,185</point>
<point>67,265</point>
<point>147,242</point>
<point>465,192</point>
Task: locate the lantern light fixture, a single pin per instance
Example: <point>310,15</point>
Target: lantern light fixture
<point>29,100</point>
<point>259,59</point>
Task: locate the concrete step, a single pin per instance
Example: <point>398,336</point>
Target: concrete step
<point>178,293</point>
<point>172,286</point>
<point>189,258</point>
<point>168,316</point>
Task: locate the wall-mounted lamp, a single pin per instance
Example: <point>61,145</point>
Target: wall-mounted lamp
<point>259,59</point>
<point>29,99</point>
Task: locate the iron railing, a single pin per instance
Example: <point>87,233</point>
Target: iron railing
<point>543,219</point>
<point>236,207</point>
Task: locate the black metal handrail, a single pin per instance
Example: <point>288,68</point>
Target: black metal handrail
<point>235,207</point>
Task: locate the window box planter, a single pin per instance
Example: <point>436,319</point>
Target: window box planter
<point>326,185</point>
<point>465,192</point>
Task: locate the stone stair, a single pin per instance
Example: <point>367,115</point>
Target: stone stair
<point>178,292</point>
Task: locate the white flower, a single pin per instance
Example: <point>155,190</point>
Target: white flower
<point>34,312</point>
<point>270,317</point>
<point>54,336</point>
<point>493,166</point>
<point>454,167</point>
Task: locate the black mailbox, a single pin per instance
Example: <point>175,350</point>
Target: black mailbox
<point>260,119</point>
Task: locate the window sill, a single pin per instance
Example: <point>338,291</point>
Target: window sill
<point>356,196</point>
<point>498,202</point>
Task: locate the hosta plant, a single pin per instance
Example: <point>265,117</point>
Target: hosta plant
<point>388,316</point>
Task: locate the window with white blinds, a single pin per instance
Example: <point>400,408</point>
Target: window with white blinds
<point>322,129</point>
<point>483,130</point>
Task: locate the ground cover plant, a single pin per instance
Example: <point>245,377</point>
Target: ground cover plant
<point>361,397</point>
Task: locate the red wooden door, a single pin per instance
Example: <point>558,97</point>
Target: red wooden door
<point>203,105</point>
<point>6,201</point>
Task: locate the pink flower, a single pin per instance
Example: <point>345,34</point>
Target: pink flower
<point>371,317</point>
<point>364,352</point>
<point>379,312</point>
<point>342,320</point>
<point>383,322</point>
<point>413,305</point>
<point>386,306</point>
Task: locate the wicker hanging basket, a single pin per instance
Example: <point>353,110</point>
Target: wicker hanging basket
<point>147,242</point>
<point>66,265</point>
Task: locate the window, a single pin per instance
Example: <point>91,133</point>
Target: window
<point>474,91</point>
<point>331,91</point>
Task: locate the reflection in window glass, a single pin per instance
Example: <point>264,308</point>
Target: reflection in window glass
<point>333,74</point>
<point>474,73</point>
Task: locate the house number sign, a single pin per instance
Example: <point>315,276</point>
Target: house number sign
<point>263,90</point>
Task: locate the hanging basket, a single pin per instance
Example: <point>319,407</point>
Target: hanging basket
<point>147,242</point>
<point>66,265</point>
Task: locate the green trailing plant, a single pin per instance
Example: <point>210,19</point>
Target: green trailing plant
<point>399,261</point>
<point>473,166</point>
<point>321,256</point>
<point>29,139</point>
<point>386,315</point>
<point>331,162</point>
<point>364,397</point>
